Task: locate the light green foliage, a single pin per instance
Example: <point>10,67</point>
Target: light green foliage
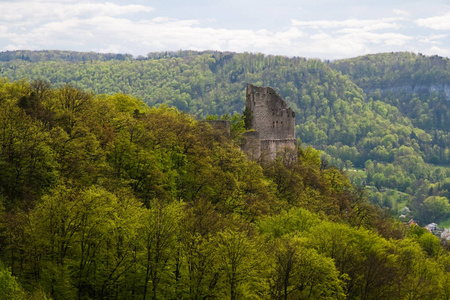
<point>212,118</point>
<point>118,200</point>
<point>158,239</point>
<point>75,231</point>
<point>430,243</point>
<point>298,272</point>
<point>411,85</point>
<point>422,278</point>
<point>9,287</point>
<point>237,125</point>
<point>27,164</point>
<point>380,105</point>
<point>367,264</point>
<point>240,261</point>
<point>386,75</point>
<point>199,224</point>
<point>435,208</point>
<point>287,222</point>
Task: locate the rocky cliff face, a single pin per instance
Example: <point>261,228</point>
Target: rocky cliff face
<point>418,89</point>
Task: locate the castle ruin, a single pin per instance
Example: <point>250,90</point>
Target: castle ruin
<point>273,123</point>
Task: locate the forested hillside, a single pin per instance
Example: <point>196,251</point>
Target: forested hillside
<point>417,85</point>
<point>103,197</point>
<point>390,138</point>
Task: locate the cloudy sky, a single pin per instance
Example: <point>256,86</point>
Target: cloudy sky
<point>326,29</point>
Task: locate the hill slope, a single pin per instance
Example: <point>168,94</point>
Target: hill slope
<point>419,86</point>
<point>103,197</point>
<point>333,113</point>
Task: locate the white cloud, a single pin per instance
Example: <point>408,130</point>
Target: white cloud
<point>32,11</point>
<point>137,29</point>
<point>113,49</point>
<point>401,13</point>
<point>349,23</point>
<point>438,22</point>
<point>438,51</point>
<point>433,39</point>
<point>3,30</point>
<point>290,34</point>
<point>52,24</point>
<point>353,37</point>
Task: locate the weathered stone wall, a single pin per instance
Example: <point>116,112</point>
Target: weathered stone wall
<point>271,116</point>
<point>270,148</point>
<point>251,145</point>
<point>272,119</point>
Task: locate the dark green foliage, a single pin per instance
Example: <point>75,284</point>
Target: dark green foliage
<point>104,197</point>
<point>388,115</point>
<point>395,127</point>
<point>248,118</point>
<point>117,200</point>
<point>56,55</point>
<point>417,86</point>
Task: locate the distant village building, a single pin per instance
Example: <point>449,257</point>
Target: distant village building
<point>273,123</point>
<point>432,227</point>
<point>411,222</point>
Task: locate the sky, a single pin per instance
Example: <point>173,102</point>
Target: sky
<point>324,29</point>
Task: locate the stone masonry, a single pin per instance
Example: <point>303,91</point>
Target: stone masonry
<point>273,121</point>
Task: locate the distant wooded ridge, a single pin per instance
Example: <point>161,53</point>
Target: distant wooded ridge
<point>105,197</point>
<point>386,116</point>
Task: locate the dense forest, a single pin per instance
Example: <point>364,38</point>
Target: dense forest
<point>383,118</point>
<point>104,197</point>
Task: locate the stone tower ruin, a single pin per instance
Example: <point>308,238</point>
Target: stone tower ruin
<point>273,122</point>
